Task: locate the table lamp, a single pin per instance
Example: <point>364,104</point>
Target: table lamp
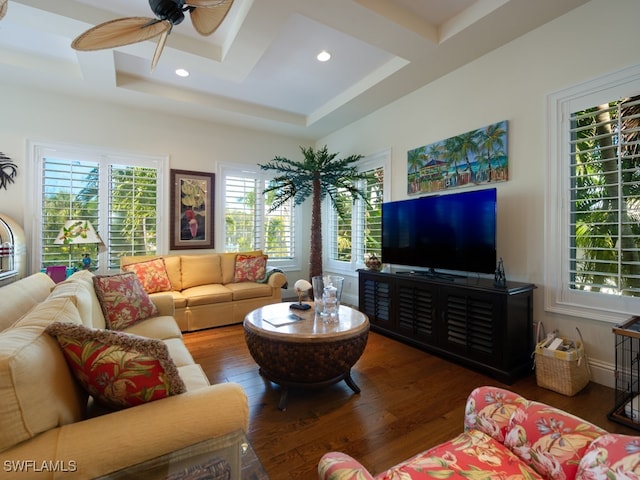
<point>79,232</point>
<point>301,287</point>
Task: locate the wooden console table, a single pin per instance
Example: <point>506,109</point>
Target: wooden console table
<point>464,319</point>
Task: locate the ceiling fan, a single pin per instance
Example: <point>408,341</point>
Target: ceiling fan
<point>206,16</point>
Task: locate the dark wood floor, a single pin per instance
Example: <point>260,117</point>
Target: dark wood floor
<point>410,401</point>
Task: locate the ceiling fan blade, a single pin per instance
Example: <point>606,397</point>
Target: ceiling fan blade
<point>119,32</point>
<point>206,18</point>
<point>3,8</point>
<point>161,42</point>
<point>207,3</point>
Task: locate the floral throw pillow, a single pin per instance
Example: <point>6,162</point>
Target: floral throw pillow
<point>123,300</point>
<point>550,440</point>
<point>152,274</point>
<point>118,369</point>
<point>613,457</point>
<point>250,268</point>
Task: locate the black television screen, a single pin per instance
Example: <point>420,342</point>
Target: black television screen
<point>450,232</point>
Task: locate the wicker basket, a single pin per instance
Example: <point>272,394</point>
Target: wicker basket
<point>563,372</point>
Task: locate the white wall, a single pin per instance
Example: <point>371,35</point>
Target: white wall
<point>512,84</point>
<point>27,114</point>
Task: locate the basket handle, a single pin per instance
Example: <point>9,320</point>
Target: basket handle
<point>584,350</point>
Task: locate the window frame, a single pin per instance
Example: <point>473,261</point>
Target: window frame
<point>370,162</point>
<point>254,172</point>
<point>558,297</point>
<point>38,150</point>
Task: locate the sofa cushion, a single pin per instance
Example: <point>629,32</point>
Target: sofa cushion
<point>250,268</point>
<point>118,369</point>
<point>178,352</point>
<point>193,377</point>
<point>152,275</point>
<point>613,457</point>
<point>19,297</point>
<point>207,294</point>
<point>123,300</point>
<point>85,277</point>
<point>472,454</point>
<point>550,440</point>
<point>245,290</point>
<point>80,295</point>
<point>161,328</point>
<point>200,270</point>
<point>37,390</point>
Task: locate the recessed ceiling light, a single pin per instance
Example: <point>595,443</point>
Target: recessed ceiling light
<point>324,56</point>
<point>181,72</point>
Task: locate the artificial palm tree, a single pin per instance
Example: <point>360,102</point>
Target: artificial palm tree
<point>318,175</point>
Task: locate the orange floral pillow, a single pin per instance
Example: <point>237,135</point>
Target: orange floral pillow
<point>119,370</point>
<point>152,274</point>
<point>250,268</point>
<point>123,300</point>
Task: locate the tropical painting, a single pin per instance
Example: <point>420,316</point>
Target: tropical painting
<point>473,158</point>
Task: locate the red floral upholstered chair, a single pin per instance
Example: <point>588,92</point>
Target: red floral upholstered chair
<point>508,437</point>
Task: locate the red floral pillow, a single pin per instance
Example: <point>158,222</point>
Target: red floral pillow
<point>152,274</point>
<point>250,268</point>
<point>550,440</point>
<point>118,369</point>
<point>613,456</point>
<point>123,300</point>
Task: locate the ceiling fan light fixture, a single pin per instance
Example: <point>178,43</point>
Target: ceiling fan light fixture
<point>181,72</point>
<point>324,56</point>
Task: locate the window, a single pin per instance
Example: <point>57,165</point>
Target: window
<point>248,223</point>
<point>120,195</point>
<point>352,238</point>
<point>595,177</point>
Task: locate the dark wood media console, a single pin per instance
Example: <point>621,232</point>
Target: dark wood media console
<point>466,320</point>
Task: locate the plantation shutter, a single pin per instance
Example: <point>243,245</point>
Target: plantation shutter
<point>604,207</point>
<point>69,191</point>
<point>371,233</point>
<point>132,214</point>
<point>248,223</point>
<point>359,232</point>
<point>122,209</point>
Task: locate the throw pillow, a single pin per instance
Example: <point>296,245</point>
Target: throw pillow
<point>123,300</point>
<point>152,274</point>
<point>118,369</point>
<point>250,268</point>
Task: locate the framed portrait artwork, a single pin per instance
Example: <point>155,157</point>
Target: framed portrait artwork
<point>192,196</point>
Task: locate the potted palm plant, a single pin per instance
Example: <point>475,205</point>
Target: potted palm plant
<point>318,174</point>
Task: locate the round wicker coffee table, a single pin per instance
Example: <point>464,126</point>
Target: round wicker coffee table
<point>293,348</point>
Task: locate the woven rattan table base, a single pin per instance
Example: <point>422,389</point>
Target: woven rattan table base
<point>306,364</point>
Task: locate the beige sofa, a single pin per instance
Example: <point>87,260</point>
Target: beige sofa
<point>49,428</point>
<point>204,290</point>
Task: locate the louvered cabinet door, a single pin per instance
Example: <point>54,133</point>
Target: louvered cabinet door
<point>375,299</point>
<point>471,324</point>
<point>417,310</point>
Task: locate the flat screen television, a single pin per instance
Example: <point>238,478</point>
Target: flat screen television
<point>449,232</point>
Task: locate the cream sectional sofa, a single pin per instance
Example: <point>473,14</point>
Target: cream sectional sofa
<point>49,427</point>
<point>205,292</point>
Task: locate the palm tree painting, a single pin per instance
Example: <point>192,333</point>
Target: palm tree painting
<point>472,158</point>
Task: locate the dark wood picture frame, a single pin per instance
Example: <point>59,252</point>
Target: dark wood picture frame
<point>192,210</point>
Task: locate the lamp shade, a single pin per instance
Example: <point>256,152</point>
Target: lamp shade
<point>77,231</point>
